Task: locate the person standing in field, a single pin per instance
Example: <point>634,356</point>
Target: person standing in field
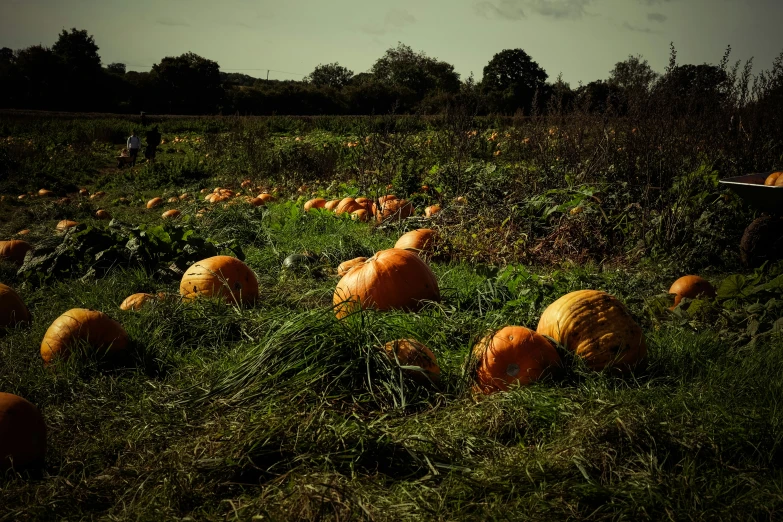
<point>134,144</point>
<point>153,140</point>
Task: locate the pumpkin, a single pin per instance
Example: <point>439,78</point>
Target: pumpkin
<point>154,202</point>
<point>431,210</point>
<point>84,192</point>
<point>391,279</point>
<point>360,215</point>
<point>22,196</point>
<point>204,190</point>
<point>247,183</point>
<point>171,214</point>
<point>173,199</point>
<point>46,193</point>
<point>690,286</point>
<point>137,301</point>
<point>98,194</point>
<point>65,224</point>
<point>346,206</point>
<point>345,266</point>
<point>100,331</point>
<point>14,250</point>
<point>23,232</point>
<point>330,205</point>
<point>266,198</point>
<point>773,178</point>
<point>421,240</point>
<point>314,203</point>
<point>381,201</point>
<point>393,209</point>
<point>461,200</point>
<point>102,214</point>
<point>12,309</point>
<point>512,355</point>
<point>184,196</point>
<point>220,276</point>
<point>409,352</point>
<point>596,327</point>
<point>366,204</point>
<point>22,433</point>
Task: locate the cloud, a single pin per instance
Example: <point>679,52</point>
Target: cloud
<point>516,9</point>
<point>638,29</point>
<point>394,19</point>
<point>170,22</point>
<point>657,17</point>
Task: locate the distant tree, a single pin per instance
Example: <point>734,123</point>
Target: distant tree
<point>404,68</point>
<point>116,68</point>
<point>511,80</point>
<point>330,75</point>
<point>78,51</point>
<point>633,74</point>
<point>188,84</point>
<point>38,77</point>
<point>693,88</point>
<point>600,96</point>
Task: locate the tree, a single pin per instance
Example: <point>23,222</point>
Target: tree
<point>330,75</point>
<point>633,74</point>
<point>116,68</point>
<point>693,88</point>
<point>188,84</point>
<point>78,51</point>
<point>511,80</point>
<point>404,68</point>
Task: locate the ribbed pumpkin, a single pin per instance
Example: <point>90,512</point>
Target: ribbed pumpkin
<point>512,355</point>
<point>393,209</point>
<point>391,279</point>
<point>220,276</point>
<point>99,330</point>
<point>596,327</point>
<point>14,250</point>
<point>360,215</point>
<point>691,286</point>
<point>314,203</point>
<point>431,210</point>
<point>102,214</point>
<point>171,214</point>
<point>366,204</point>
<point>154,202</point>
<point>410,352</point>
<point>346,206</point>
<point>22,433</point>
<point>773,178</point>
<point>345,266</point>
<point>137,301</point>
<point>421,240</point>
<point>332,204</point>
<point>12,309</point>
<point>65,224</point>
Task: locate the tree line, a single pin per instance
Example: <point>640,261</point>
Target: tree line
<point>69,76</point>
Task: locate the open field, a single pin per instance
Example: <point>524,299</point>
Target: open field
<point>279,411</point>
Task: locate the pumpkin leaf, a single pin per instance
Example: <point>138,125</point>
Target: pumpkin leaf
<point>732,287</point>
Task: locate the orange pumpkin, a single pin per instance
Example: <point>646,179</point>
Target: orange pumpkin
<point>691,286</point>
<point>154,202</point>
<point>14,250</point>
<point>366,204</point>
<point>431,210</point>
<point>12,309</point>
<point>98,195</point>
<point>65,224</point>
<point>137,301</point>
<point>100,331</point>
<point>512,355</point>
<point>773,178</point>
<point>23,232</point>
<point>331,205</point>
<point>173,199</point>
<point>391,279</point>
<point>220,276</point>
<point>247,183</point>
<point>596,327</point>
<point>393,209</point>
<point>314,203</point>
<point>46,193</point>
<point>102,214</point>
<point>22,433</point>
<point>345,266</point>
<point>346,206</point>
<point>184,196</point>
<point>171,214</point>
<point>421,240</point>
<point>266,198</point>
<point>360,215</point>
<point>409,352</point>
<point>84,192</point>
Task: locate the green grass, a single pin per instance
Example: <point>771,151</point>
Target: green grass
<point>280,412</point>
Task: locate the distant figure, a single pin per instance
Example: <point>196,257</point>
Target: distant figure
<point>134,144</point>
<point>153,138</point>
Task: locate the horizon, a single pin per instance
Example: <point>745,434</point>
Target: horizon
<point>557,34</point>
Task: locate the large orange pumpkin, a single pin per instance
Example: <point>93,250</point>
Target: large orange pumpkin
<point>99,330</point>
<point>346,206</point>
<point>22,433</point>
<point>691,286</point>
<point>512,355</point>
<point>65,224</point>
<point>391,279</point>
<point>12,309</point>
<point>154,202</point>
<point>332,204</point>
<point>421,240</point>
<point>596,327</point>
<point>393,209</point>
<point>314,203</point>
<point>409,352</point>
<point>220,276</point>
<point>14,250</point>
<point>345,266</point>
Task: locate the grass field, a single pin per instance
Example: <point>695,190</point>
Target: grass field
<point>278,411</point>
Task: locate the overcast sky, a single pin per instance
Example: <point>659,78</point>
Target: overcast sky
<point>582,39</point>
